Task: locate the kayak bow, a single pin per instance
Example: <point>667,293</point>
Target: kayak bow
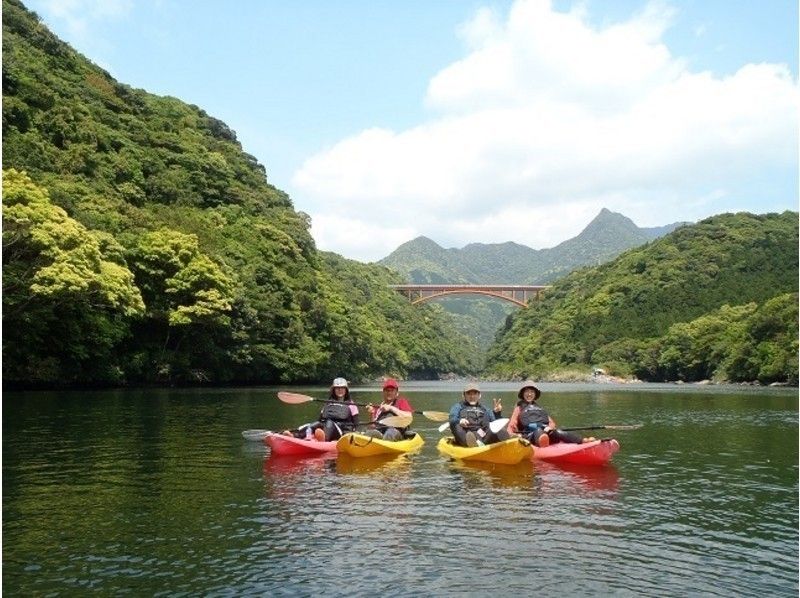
<point>596,452</point>
<point>282,444</point>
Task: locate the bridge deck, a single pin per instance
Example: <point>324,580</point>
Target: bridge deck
<point>515,293</point>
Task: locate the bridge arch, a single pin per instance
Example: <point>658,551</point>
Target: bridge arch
<point>519,295</point>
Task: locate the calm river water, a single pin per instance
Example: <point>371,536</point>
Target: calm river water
<point>155,492</point>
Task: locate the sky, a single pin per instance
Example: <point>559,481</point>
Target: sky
<point>474,121</point>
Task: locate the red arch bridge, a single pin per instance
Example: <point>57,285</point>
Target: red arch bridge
<point>515,293</point>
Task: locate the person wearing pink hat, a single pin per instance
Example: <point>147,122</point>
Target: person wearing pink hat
<point>392,404</point>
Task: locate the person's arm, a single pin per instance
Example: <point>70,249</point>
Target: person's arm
<point>513,426</point>
<point>354,414</point>
<point>497,408</point>
<point>401,407</point>
<point>454,411</point>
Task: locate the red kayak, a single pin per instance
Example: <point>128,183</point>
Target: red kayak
<point>289,445</point>
<point>596,452</point>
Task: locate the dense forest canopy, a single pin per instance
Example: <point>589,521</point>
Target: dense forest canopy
<point>714,300</point>
<point>142,244</point>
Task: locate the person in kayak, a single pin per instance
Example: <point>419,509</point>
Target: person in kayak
<point>392,404</point>
<point>534,423</point>
<point>339,415</point>
<point>469,420</point>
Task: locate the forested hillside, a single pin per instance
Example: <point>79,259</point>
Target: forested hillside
<point>142,244</point>
<point>713,300</point>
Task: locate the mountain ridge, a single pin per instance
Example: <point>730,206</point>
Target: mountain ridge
<point>422,260</point>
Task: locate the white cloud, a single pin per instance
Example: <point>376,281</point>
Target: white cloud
<point>544,121</point>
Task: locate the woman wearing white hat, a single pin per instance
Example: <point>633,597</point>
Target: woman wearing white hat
<point>339,415</point>
<point>534,423</point>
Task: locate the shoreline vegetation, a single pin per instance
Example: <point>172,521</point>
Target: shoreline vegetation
<point>561,377</point>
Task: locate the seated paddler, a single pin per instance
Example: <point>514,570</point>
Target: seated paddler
<point>469,419</point>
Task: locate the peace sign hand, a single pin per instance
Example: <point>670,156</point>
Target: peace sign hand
<point>498,405</point>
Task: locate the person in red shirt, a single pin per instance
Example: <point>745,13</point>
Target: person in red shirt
<point>392,404</point>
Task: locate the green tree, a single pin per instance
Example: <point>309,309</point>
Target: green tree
<point>68,295</point>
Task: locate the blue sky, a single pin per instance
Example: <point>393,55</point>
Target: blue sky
<point>471,121</point>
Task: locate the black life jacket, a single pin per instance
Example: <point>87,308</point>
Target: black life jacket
<point>338,412</point>
<point>476,415</point>
<point>532,414</point>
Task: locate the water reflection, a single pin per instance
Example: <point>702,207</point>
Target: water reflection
<point>345,464</point>
<point>519,475</point>
<point>581,477</point>
<point>288,465</point>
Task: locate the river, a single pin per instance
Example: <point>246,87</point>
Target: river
<point>154,492</point>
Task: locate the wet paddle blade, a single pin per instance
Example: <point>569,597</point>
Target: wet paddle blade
<point>294,398</point>
<point>436,416</point>
<point>498,424</point>
<point>255,435</point>
<point>393,421</point>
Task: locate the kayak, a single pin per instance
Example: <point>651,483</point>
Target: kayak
<point>360,445</point>
<point>282,444</point>
<point>507,452</point>
<point>596,452</point>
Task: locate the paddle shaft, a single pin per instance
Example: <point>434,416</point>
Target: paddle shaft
<point>607,427</point>
<point>295,398</point>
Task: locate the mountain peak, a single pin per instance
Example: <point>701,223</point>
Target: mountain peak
<point>421,242</point>
<point>606,217</point>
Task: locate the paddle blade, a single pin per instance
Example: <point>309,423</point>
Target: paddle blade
<point>436,416</point>
<point>294,398</point>
<point>498,424</point>
<point>444,426</point>
<point>396,421</point>
<point>255,435</point>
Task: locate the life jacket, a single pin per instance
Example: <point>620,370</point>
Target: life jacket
<point>532,416</point>
<point>476,415</point>
<point>338,412</point>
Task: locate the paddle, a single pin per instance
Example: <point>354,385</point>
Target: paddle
<point>294,398</point>
<point>494,426</point>
<point>255,435</point>
<point>604,427</point>
<point>393,421</point>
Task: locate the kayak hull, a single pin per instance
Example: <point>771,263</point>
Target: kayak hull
<point>597,452</point>
<point>289,445</point>
<point>360,445</point>
<point>507,452</point>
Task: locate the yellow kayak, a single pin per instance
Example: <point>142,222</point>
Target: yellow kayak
<point>507,452</point>
<point>359,445</point>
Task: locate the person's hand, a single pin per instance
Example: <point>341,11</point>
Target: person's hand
<point>547,429</point>
<point>387,408</point>
<point>370,408</point>
<point>498,405</point>
<point>463,422</point>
